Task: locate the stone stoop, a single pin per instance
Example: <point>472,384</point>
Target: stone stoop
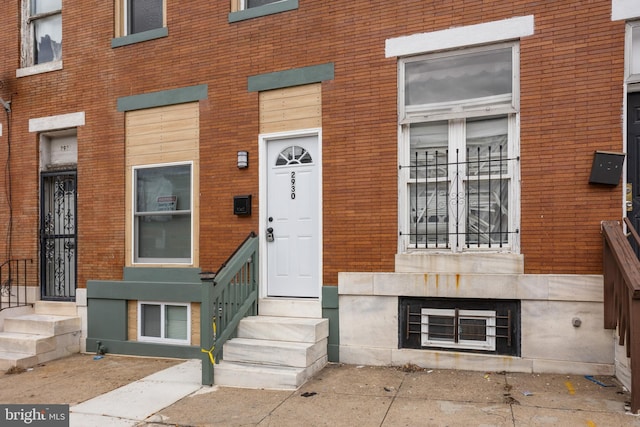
<point>279,353</point>
<point>30,339</point>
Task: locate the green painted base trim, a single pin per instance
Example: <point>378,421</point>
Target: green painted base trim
<point>333,353</point>
<point>290,78</point>
<point>267,9</point>
<point>330,311</point>
<point>140,37</point>
<point>134,348</point>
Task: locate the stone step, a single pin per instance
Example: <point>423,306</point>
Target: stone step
<point>26,343</point>
<point>295,329</point>
<point>244,375</point>
<point>269,352</point>
<point>60,308</point>
<point>10,359</point>
<point>43,324</point>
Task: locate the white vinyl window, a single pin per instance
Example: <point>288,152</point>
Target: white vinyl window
<point>633,52</point>
<point>163,213</point>
<point>464,329</point>
<point>41,32</point>
<point>164,322</point>
<point>142,15</point>
<point>459,150</point>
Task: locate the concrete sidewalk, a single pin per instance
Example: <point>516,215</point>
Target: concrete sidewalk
<point>135,402</point>
<point>344,395</point>
<point>124,391</point>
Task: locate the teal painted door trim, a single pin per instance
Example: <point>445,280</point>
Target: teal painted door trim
<point>289,78</point>
<point>267,9</point>
<point>163,98</point>
<point>330,311</point>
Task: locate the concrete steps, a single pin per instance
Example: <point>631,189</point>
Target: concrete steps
<point>271,352</point>
<point>30,339</point>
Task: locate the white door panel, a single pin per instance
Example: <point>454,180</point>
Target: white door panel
<point>293,214</point>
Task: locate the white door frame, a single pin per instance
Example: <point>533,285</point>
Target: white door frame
<point>299,307</point>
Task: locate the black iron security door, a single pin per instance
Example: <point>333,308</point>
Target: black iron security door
<point>633,163</point>
<point>58,226</point>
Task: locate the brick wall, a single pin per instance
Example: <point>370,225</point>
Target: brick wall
<point>571,104</point>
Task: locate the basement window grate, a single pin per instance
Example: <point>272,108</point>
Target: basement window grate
<point>468,325</point>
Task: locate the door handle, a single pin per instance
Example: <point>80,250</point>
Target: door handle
<point>270,234</point>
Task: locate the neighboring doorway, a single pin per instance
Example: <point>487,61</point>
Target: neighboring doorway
<point>58,219</point>
<point>633,163</point>
<point>293,217</point>
<point>58,225</point>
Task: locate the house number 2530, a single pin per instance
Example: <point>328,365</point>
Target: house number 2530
<point>293,185</point>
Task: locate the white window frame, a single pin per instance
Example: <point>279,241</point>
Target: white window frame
<point>489,344</point>
<point>134,241</point>
<point>456,118</point>
<point>629,53</point>
<point>162,339</point>
<point>477,107</point>
<point>28,65</point>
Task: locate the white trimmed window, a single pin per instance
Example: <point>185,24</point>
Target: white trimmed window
<point>162,222</point>
<point>459,149</point>
<point>633,52</point>
<point>41,32</point>
<point>450,328</point>
<point>168,323</point>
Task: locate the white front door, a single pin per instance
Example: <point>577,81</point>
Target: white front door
<point>292,217</point>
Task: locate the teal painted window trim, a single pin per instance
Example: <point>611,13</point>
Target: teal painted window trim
<point>289,78</point>
<point>161,274</point>
<point>163,98</point>
<point>147,291</point>
<point>267,9</point>
<point>144,36</point>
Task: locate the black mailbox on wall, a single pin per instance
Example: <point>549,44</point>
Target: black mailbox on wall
<point>606,168</point>
<point>242,205</point>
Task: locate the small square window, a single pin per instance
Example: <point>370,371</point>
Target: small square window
<point>164,322</point>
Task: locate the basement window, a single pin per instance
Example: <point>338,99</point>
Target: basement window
<point>453,328</point>
<point>460,324</point>
<point>167,323</point>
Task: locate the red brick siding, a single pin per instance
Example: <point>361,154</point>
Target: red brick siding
<point>571,105</point>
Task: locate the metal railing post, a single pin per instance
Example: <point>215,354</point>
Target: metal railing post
<point>206,336</point>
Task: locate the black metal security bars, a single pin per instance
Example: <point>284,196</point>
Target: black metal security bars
<point>15,276</point>
<point>464,202</point>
